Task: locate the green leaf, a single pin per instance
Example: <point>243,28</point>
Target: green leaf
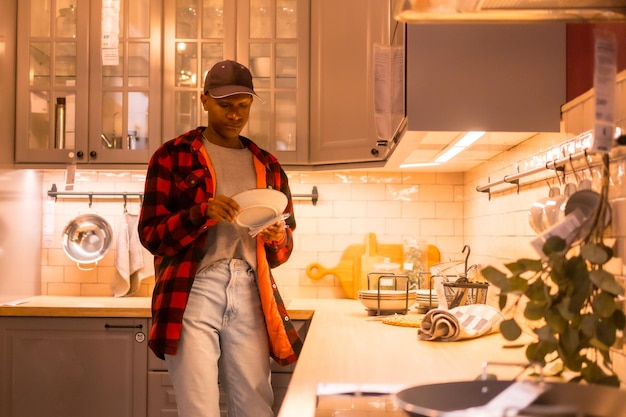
<point>569,341</point>
<point>553,244</point>
<point>588,324</point>
<point>545,334</point>
<point>597,254</point>
<point>582,288</point>
<point>538,292</point>
<point>556,322</point>
<point>558,270</point>
<point>534,311</point>
<point>537,352</point>
<point>606,281</point>
<point>619,319</point>
<point>576,269</point>
<point>517,284</point>
<point>533,354</point>
<point>524,265</point>
<point>598,344</point>
<point>502,300</point>
<point>496,277</point>
<point>603,304</point>
<point>510,329</point>
<point>564,309</point>
<point>572,360</point>
<point>605,333</point>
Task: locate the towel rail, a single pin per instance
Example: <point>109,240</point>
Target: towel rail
<point>53,192</point>
<point>556,165</point>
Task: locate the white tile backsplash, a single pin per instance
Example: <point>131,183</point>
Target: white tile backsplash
<point>393,205</point>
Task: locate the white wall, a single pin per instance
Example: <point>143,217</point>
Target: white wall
<point>20,234</point>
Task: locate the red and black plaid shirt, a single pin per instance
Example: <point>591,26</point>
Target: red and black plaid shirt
<point>173,225</point>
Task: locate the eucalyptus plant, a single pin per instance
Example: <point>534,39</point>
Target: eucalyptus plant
<point>572,301</point>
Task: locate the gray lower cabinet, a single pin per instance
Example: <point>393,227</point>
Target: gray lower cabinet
<point>162,398</point>
<point>73,367</point>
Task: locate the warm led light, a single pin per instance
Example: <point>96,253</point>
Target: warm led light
<point>450,153</point>
<point>465,141</point>
<point>469,138</point>
<point>419,165</point>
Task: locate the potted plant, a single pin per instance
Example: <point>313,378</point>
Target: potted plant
<point>572,301</point>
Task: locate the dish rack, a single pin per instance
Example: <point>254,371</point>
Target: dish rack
<point>382,277</point>
<point>457,289</point>
<point>463,292</point>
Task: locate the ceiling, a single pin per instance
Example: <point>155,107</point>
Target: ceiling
<point>416,147</point>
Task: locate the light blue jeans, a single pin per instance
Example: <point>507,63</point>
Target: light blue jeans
<point>223,336</point>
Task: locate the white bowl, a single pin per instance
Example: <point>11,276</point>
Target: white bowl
<point>259,206</point>
<point>387,305</point>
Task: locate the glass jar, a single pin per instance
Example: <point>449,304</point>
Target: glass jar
<point>382,275</point>
<point>415,262</point>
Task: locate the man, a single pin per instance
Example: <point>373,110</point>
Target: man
<point>215,306</point>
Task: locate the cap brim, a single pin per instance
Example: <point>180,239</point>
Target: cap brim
<point>230,90</point>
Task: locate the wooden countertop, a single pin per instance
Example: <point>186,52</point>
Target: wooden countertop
<point>345,346</point>
<point>66,306</point>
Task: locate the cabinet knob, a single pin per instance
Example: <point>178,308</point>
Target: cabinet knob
<point>93,154</point>
<point>80,154</point>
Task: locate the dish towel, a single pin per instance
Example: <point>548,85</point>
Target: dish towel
<point>133,262</point>
<point>463,322</point>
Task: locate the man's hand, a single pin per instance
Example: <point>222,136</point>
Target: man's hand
<point>222,208</point>
<point>274,232</point>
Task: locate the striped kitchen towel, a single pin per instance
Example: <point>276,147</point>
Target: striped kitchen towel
<point>463,322</point>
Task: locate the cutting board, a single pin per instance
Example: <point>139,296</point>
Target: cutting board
<point>357,260</point>
<point>346,270</point>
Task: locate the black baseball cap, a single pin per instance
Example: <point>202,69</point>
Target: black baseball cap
<point>227,78</point>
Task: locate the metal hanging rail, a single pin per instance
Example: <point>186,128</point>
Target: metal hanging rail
<point>314,196</point>
<point>53,192</point>
<point>555,165</point>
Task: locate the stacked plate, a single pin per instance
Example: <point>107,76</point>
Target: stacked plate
<point>387,301</point>
<point>260,207</point>
<point>426,298</point>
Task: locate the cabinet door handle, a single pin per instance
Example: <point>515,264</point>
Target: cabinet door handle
<point>122,326</point>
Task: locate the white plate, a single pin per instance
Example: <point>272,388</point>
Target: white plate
<point>259,205</point>
<point>395,305</point>
<point>388,296</point>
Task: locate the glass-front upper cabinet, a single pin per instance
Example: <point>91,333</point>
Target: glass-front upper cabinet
<point>270,37</point>
<point>88,81</point>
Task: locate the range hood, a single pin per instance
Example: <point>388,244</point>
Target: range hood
<point>485,11</point>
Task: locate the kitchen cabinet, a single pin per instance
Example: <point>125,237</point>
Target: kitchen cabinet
<point>271,37</point>
<point>66,366</point>
<point>494,77</point>
<point>8,25</point>
<point>88,81</point>
<point>343,93</point>
<point>162,397</point>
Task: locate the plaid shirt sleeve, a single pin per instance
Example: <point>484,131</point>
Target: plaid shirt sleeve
<point>174,206</point>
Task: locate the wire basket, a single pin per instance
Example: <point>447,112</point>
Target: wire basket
<point>462,292</point>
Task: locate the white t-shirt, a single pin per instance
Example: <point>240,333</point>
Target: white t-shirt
<point>234,171</point>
